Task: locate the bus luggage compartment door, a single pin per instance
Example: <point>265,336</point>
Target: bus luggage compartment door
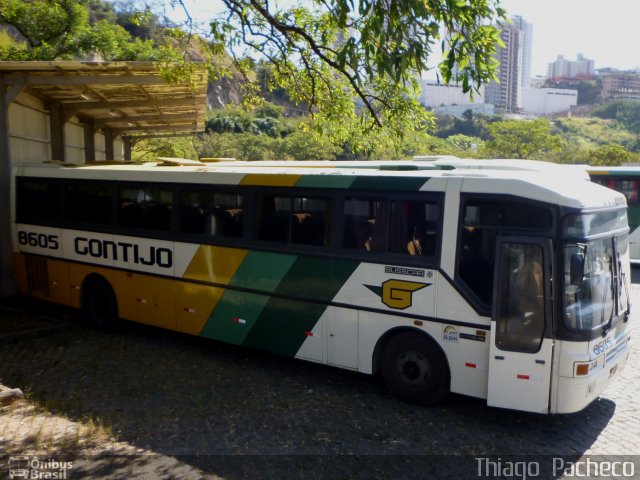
<point>521,349</point>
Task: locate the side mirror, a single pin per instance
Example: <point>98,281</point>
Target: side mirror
<point>576,271</point>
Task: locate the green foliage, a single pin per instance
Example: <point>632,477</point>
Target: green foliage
<point>609,155</point>
<point>324,53</point>
<point>625,112</point>
<point>267,119</point>
<point>530,139</point>
<point>101,10</point>
<point>466,145</point>
<point>247,146</point>
<point>269,110</point>
<point>7,42</point>
<point>469,124</point>
<point>302,146</point>
<point>320,55</point>
<point>68,29</point>
<point>589,91</point>
<point>150,150</point>
<point>587,133</point>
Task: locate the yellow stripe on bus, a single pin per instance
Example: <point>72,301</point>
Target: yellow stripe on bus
<point>215,264</point>
<point>262,180</point>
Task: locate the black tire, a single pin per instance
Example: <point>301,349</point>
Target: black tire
<point>415,369</point>
<point>100,305</point>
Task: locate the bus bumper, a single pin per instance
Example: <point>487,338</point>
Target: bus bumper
<point>575,393</point>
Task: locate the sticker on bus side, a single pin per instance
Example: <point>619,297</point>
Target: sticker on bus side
<point>450,334</point>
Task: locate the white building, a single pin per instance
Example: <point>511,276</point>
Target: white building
<point>486,109</point>
<point>563,68</point>
<point>548,101</point>
<point>436,94</point>
<point>451,100</point>
<point>527,39</point>
<point>514,70</point>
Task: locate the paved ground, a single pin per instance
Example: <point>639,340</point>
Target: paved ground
<point>145,403</point>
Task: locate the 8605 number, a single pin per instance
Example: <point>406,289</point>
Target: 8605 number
<point>42,240</point>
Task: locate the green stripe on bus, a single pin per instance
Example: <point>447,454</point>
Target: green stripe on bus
<point>409,184</point>
<point>238,311</point>
<point>284,323</point>
<point>325,181</point>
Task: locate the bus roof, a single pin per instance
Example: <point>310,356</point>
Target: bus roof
<point>540,181</point>
<point>627,171</point>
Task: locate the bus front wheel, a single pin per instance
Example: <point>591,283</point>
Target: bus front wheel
<point>99,304</point>
<point>415,369</point>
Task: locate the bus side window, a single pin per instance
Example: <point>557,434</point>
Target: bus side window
<point>310,221</point>
<point>299,220</point>
<point>157,208</point>
<point>86,203</point>
<point>413,227</point>
<point>272,218</point>
<point>363,225</point>
<point>478,226</point>
<point>476,255</point>
<point>145,208</point>
<point>628,187</point>
<point>130,211</point>
<point>195,214</point>
<point>38,201</point>
<point>228,215</point>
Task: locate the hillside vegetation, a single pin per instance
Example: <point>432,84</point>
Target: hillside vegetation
<point>593,131</point>
<point>268,107</point>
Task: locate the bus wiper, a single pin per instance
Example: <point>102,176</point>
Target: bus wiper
<point>606,327</point>
<point>626,291</point>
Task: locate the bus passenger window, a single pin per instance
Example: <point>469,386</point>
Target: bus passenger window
<point>195,212</point>
<point>413,227</point>
<point>227,215</point>
<point>363,225</point>
<point>272,219</point>
<point>38,201</point>
<point>145,208</point>
<point>299,220</point>
<point>629,188</point>
<point>85,203</point>
<point>310,221</point>
<point>479,225</point>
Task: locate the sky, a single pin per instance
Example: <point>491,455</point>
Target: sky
<point>604,31</point>
<point>607,32</point>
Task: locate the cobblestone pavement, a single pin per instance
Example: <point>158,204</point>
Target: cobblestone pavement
<point>147,403</point>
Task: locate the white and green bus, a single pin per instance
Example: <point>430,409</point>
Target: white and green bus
<point>624,180</point>
<point>501,284</point>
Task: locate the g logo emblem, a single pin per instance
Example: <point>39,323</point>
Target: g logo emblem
<point>397,294</point>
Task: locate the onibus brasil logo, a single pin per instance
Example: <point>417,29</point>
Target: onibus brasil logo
<point>22,466</point>
<point>397,294</point>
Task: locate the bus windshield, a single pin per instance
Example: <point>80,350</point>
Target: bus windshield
<point>601,290</point>
<point>589,302</point>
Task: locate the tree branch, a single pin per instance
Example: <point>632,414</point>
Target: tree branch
<point>286,30</point>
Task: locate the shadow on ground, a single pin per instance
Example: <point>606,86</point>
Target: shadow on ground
<point>229,411</point>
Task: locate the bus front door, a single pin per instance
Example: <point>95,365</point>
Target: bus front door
<point>520,352</point>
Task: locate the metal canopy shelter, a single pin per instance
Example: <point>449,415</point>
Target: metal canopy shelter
<point>128,99</point>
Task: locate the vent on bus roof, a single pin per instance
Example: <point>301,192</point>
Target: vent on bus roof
<point>174,162</point>
<point>398,167</point>
<point>217,159</point>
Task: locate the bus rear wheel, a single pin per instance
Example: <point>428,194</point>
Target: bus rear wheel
<point>99,304</point>
<point>414,369</point>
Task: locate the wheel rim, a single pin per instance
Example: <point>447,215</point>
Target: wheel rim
<point>413,368</point>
